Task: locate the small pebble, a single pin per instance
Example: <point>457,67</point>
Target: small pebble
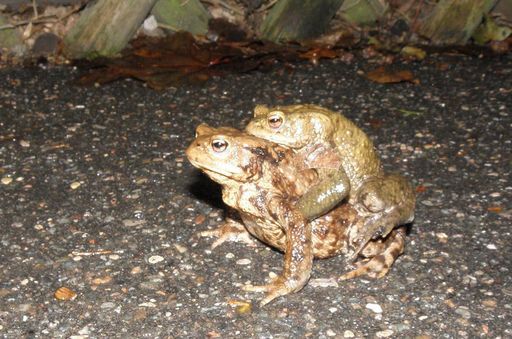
<point>84,331</point>
<point>102,280</point>
<point>442,237</point>
<point>323,282</point>
<point>375,308</point>
<point>384,334</point>
<point>427,203</point>
<point>107,305</point>
<point>155,259</point>
<point>24,143</point>
<point>230,255</point>
<point>491,247</point>
<point>348,334</point>
<point>180,248</point>
<point>74,185</point>
<point>147,304</point>
<point>491,303</point>
<point>6,180</point>
<point>330,333</point>
<point>243,261</point>
<point>133,222</point>
<point>464,312</point>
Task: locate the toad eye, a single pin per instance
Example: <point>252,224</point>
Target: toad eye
<point>219,145</point>
<point>275,121</point>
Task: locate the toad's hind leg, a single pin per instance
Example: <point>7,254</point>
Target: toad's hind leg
<point>381,255</point>
<point>388,202</point>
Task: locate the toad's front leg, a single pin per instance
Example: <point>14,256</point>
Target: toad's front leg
<point>298,254</point>
<point>333,185</point>
<point>230,230</point>
<point>324,196</point>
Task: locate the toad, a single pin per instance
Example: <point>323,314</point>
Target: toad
<point>263,181</point>
<point>317,135</point>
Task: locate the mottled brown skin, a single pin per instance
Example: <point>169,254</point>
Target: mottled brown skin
<point>263,182</point>
<point>349,167</point>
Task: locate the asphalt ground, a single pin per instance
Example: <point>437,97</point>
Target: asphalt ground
<point>98,197</point>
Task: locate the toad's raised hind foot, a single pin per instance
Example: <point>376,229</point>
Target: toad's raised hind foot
<point>378,226</point>
<point>381,254</point>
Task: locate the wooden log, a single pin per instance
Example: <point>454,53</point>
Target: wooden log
<point>180,15</point>
<point>9,37</point>
<point>363,12</point>
<point>298,19</point>
<point>489,30</point>
<point>452,22</point>
<point>105,27</point>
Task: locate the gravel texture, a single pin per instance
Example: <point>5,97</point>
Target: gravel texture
<point>99,208</point>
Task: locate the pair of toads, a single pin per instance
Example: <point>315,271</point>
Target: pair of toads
<point>308,182</point>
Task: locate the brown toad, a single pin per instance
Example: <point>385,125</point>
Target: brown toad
<point>263,181</point>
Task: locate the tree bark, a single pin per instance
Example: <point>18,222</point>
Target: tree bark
<point>9,37</point>
<point>180,15</point>
<point>105,27</point>
<point>298,19</point>
<point>452,22</point>
<point>363,12</point>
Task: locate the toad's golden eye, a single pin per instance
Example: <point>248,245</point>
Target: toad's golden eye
<point>219,145</point>
<point>275,121</point>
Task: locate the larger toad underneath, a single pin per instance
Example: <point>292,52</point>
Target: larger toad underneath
<point>263,181</point>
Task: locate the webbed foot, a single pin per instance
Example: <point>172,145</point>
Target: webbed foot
<point>278,287</point>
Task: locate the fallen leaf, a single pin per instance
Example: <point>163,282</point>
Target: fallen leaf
<point>442,66</point>
<point>450,303</point>
<point>64,293</point>
<point>317,53</point>
<point>375,123</point>
<point>413,52</point>
<point>408,113</point>
<point>199,219</point>
<point>102,280</point>
<point>181,58</point>
<point>242,307</point>
<point>420,189</point>
<point>495,209</point>
<point>382,75</point>
<point>213,334</point>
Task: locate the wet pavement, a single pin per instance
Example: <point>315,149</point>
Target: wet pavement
<point>98,197</point>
